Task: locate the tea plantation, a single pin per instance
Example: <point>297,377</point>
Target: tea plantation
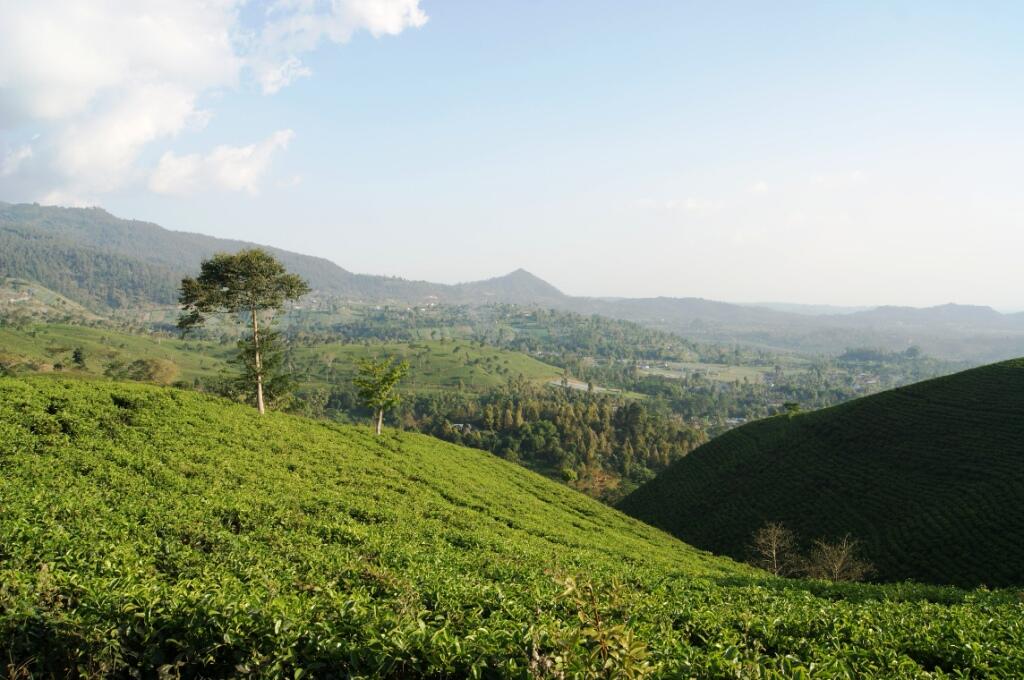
<point>149,532</point>
<point>929,477</point>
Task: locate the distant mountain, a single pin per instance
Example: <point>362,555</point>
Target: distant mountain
<point>105,262</point>
<point>519,286</point>
<point>101,260</point>
<point>929,477</point>
<point>811,310</point>
<point>948,314</point>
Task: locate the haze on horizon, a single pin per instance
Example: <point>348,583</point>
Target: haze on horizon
<point>807,153</point>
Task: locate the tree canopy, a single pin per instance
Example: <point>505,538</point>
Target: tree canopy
<point>376,383</point>
<point>249,281</point>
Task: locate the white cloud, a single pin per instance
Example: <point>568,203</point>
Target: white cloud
<point>106,79</point>
<point>99,151</point>
<point>295,27</point>
<point>59,59</point>
<point>14,159</point>
<point>274,77</point>
<point>232,168</point>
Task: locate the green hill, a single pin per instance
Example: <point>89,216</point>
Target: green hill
<point>106,262</point>
<point>149,531</point>
<point>929,477</point>
<point>437,366</point>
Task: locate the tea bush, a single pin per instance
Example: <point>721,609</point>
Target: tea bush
<point>148,531</point>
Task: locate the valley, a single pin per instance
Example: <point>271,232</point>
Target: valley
<point>426,340</point>
<point>521,425</point>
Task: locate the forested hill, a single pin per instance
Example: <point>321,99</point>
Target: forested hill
<point>96,258</point>
<point>928,477</point>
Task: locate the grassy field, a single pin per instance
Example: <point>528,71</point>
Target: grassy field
<point>434,365</point>
<point>23,297</point>
<point>150,531</point>
<point>929,477</point>
<point>720,372</point>
<point>43,345</point>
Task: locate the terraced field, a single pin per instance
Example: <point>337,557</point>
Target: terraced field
<point>153,532</point>
<point>930,478</point>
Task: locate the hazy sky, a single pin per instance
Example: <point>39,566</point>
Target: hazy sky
<point>847,153</point>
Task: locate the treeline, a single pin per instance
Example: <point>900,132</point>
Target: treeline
<point>601,443</point>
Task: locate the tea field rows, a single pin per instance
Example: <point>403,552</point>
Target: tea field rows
<point>148,531</point>
<point>929,477</point>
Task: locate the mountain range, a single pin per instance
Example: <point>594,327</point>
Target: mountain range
<point>105,262</point>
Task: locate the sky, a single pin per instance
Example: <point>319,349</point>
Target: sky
<point>815,152</point>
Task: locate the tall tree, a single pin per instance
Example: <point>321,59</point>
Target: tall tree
<point>249,281</point>
<point>376,383</point>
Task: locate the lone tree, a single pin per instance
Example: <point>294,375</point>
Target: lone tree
<point>250,282</point>
<point>376,383</point>
<point>773,548</point>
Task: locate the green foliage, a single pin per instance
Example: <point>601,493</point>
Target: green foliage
<point>278,380</point>
<point>601,443</point>
<point>45,344</point>
<point>376,382</point>
<point>927,477</point>
<point>457,381</point>
<point>249,281</point>
<point>148,531</point>
<point>434,367</point>
<point>159,371</point>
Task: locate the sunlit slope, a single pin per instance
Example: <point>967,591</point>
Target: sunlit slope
<point>930,477</point>
<point>435,366</point>
<point>147,531</point>
<point>190,512</point>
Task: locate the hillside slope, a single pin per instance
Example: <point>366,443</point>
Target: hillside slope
<point>436,366</point>
<point>930,478</point>
<point>147,530</point>
<point>101,260</point>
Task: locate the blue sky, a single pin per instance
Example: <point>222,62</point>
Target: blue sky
<point>847,153</point>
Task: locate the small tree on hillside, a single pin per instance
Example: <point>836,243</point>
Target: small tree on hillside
<point>250,281</point>
<point>773,549</point>
<point>376,383</point>
<point>838,561</point>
